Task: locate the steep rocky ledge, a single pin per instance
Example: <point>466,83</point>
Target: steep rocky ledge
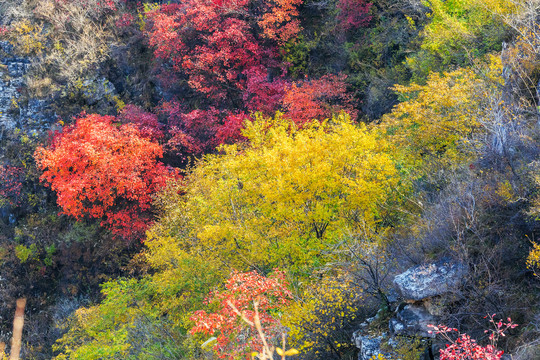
<point>17,111</point>
<point>422,291</point>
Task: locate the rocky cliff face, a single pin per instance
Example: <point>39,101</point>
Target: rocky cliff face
<point>422,291</point>
<point>16,109</point>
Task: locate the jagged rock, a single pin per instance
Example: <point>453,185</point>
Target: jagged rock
<point>95,90</point>
<point>392,296</point>
<point>369,346</point>
<point>17,67</point>
<point>412,320</point>
<point>435,306</point>
<point>31,115</point>
<point>424,281</point>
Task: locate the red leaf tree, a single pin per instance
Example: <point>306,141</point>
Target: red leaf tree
<point>353,13</point>
<point>227,52</point>
<point>466,348</point>
<point>218,44</point>
<point>318,99</point>
<point>235,337</point>
<point>106,171</point>
<point>11,178</point>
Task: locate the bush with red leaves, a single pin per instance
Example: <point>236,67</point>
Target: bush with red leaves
<point>235,337</point>
<point>466,348</point>
<point>105,171</point>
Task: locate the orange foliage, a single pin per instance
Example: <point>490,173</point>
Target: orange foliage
<point>104,171</point>
<point>318,99</point>
<point>218,44</point>
<point>280,23</point>
<point>251,295</point>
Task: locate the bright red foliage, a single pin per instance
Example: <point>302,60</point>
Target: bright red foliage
<point>353,13</point>
<point>235,338</point>
<point>279,22</point>
<point>104,171</point>
<point>318,99</point>
<point>231,131</point>
<point>146,122</point>
<point>465,348</point>
<point>261,94</point>
<point>11,184</point>
<point>211,48</point>
<point>216,44</point>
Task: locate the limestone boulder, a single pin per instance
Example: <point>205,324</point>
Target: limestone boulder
<point>369,346</point>
<point>429,280</point>
<point>412,320</point>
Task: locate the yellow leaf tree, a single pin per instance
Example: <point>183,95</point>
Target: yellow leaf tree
<point>438,120</point>
<point>284,197</point>
<point>460,31</point>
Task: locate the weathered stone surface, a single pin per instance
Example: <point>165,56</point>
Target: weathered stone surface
<point>424,281</point>
<point>96,90</point>
<point>369,346</point>
<point>435,306</point>
<point>30,115</point>
<point>412,320</point>
<point>392,296</point>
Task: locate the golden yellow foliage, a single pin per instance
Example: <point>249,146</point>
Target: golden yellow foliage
<point>282,198</point>
<point>459,20</point>
<point>533,260</point>
<point>28,38</point>
<point>460,31</point>
<point>439,118</point>
<point>505,191</point>
<point>324,316</point>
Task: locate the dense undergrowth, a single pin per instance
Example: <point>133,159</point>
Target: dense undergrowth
<point>232,178</point>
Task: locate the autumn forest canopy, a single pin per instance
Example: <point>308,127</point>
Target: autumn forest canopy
<point>250,179</point>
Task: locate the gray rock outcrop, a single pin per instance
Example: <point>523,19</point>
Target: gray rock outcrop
<point>96,90</point>
<point>31,115</point>
<point>412,320</point>
<point>369,346</point>
<point>429,280</point>
<point>422,289</point>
